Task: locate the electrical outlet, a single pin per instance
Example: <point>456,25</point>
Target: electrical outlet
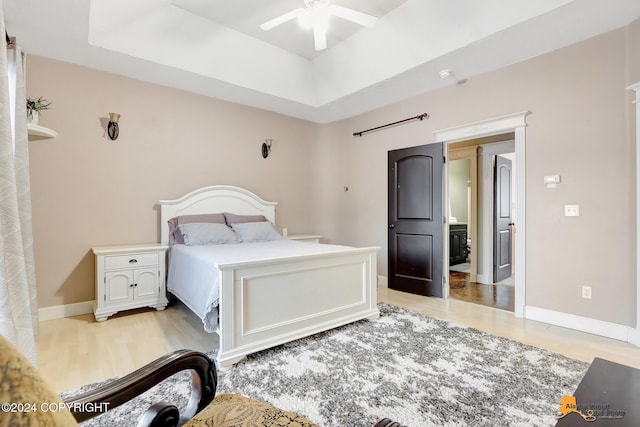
<point>586,292</point>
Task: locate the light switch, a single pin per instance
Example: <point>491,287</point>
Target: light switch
<point>552,180</point>
<point>571,210</point>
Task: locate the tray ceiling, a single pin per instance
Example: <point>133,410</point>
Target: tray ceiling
<point>216,48</point>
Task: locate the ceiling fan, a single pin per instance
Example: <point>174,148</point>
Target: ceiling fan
<point>316,15</point>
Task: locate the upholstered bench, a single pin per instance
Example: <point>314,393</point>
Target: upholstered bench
<point>232,410</point>
<point>21,383</point>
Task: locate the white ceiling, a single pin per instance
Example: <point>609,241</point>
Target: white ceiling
<point>215,47</point>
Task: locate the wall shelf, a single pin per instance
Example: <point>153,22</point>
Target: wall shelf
<point>40,132</point>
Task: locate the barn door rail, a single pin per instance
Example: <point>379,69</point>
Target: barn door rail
<point>418,117</point>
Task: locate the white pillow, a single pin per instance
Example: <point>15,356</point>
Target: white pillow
<point>256,232</point>
<point>207,233</point>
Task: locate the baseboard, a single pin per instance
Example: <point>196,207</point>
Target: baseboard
<point>383,282</point>
<point>579,323</point>
<point>571,321</point>
<point>67,310</point>
<point>634,336</point>
<point>484,279</point>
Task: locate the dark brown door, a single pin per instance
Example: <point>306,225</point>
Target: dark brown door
<point>415,220</point>
<point>502,222</point>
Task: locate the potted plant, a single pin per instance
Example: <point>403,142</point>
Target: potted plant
<point>34,106</point>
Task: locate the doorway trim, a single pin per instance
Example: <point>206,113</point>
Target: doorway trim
<point>515,123</point>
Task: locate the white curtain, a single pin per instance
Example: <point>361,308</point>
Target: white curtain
<point>18,300</point>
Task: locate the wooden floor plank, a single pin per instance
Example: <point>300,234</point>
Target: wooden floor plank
<point>78,350</point>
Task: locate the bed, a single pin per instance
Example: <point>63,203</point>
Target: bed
<point>273,293</point>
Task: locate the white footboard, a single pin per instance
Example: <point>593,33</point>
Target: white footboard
<point>267,303</point>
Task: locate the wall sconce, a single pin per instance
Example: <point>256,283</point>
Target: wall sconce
<point>112,128</point>
<point>266,148</point>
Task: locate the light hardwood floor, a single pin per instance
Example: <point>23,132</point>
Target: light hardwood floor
<point>78,350</point>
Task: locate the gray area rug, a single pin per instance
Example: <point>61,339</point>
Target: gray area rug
<point>412,368</point>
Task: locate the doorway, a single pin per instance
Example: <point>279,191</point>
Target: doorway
<point>481,195</point>
<point>512,123</point>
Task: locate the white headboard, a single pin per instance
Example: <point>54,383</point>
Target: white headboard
<point>214,199</point>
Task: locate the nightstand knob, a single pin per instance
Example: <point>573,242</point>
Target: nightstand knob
<point>133,261</point>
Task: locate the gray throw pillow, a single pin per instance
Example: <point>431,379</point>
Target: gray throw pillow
<point>207,233</point>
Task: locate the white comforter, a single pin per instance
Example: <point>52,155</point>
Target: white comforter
<point>194,276</point>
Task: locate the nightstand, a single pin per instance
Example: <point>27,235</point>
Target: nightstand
<point>313,238</point>
<point>129,276</point>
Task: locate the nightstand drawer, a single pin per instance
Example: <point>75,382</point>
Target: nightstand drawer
<point>133,260</point>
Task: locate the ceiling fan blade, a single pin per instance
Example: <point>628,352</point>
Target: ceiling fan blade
<point>282,19</point>
<point>352,15</point>
<point>320,37</point>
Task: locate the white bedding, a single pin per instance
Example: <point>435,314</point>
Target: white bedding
<point>194,276</point>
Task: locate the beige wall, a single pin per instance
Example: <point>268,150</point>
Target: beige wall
<point>90,191</point>
<point>459,185</point>
<point>578,128</point>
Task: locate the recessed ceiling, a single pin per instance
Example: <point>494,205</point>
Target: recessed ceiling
<point>246,17</point>
<point>216,48</point>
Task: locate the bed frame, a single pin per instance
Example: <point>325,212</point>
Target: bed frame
<point>270,302</point>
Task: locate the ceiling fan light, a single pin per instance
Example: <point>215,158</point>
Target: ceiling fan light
<point>315,16</point>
